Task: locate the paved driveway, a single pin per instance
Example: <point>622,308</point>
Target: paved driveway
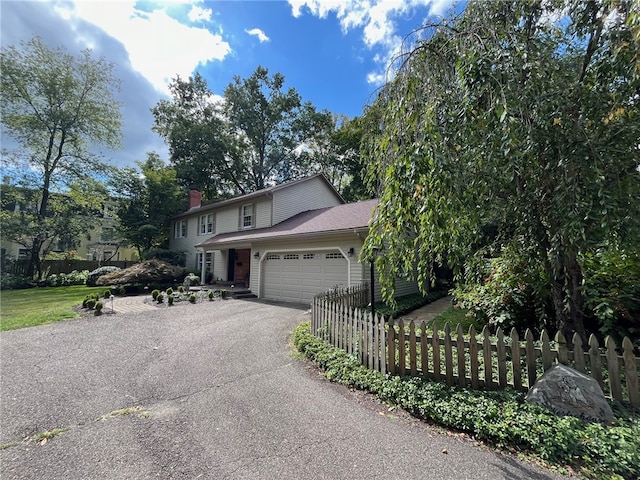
<point>205,391</point>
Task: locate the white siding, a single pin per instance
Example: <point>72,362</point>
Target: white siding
<point>309,195</point>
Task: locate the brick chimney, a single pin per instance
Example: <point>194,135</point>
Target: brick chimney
<point>195,199</point>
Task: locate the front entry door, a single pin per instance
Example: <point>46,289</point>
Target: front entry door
<point>239,266</point>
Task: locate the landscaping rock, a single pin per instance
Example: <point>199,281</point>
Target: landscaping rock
<point>566,391</point>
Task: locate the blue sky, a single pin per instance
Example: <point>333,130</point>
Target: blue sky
<point>335,53</point>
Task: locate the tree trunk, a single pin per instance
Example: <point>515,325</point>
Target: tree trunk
<point>567,298</point>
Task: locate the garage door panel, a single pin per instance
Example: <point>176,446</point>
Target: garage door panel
<point>298,277</point>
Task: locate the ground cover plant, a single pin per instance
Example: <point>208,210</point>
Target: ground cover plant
<point>38,306</point>
<point>499,418</point>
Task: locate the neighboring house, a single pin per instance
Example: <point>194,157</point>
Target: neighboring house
<point>288,242</point>
<point>100,243</point>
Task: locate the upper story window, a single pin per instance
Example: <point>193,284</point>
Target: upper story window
<point>247,216</point>
<point>206,224</point>
<point>180,229</point>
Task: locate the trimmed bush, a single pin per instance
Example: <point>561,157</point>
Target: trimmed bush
<point>107,294</point>
<point>169,291</point>
<point>155,293</point>
<point>160,297</point>
<point>9,281</point>
<point>211,295</point>
<point>93,276</point>
<point>170,300</point>
<point>90,303</point>
<point>98,307</point>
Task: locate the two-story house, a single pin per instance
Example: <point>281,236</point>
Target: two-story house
<point>288,242</point>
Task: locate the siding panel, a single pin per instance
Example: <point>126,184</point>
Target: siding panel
<point>309,195</point>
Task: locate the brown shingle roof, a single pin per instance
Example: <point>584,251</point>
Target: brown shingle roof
<point>341,218</point>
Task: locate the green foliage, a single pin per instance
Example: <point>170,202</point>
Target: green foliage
<point>9,281</point>
<point>159,298</point>
<point>107,294</point>
<point>501,418</point>
<point>98,307</point>
<point>506,291</point>
<point>211,295</point>
<point>66,279</point>
<point>93,276</point>
<point>155,293</point>
<point>148,197</point>
<point>612,290</point>
<point>90,303</point>
<point>170,299</point>
<point>180,289</point>
<point>169,256</point>
<point>192,298</point>
<point>169,291</point>
<point>514,123</point>
<point>408,303</point>
<point>223,294</point>
<point>57,108</point>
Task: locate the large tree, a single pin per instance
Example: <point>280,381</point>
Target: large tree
<point>512,126</point>
<point>56,107</point>
<point>270,125</point>
<point>148,196</point>
<point>201,147</point>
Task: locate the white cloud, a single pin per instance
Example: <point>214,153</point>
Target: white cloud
<point>377,20</point>
<point>198,14</point>
<point>256,32</point>
<point>159,46</point>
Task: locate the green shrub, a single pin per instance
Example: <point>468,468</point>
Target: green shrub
<point>9,281</point>
<point>66,279</point>
<point>160,297</point>
<point>91,297</point>
<point>155,293</point>
<point>180,289</point>
<point>192,298</point>
<point>408,303</point>
<point>98,307</point>
<point>611,290</point>
<point>170,300</point>
<point>211,295</point>
<point>508,290</point>
<point>223,294</point>
<point>107,294</point>
<point>501,418</point>
<point>90,303</point>
<point>93,276</point>
<point>169,256</point>
<point>169,291</point>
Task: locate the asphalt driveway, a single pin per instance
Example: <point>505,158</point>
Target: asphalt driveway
<point>205,391</point>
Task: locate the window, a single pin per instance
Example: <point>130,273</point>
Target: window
<point>291,256</point>
<point>180,229</point>
<point>107,234</point>
<point>22,253</point>
<point>333,256</point>
<point>310,256</point>
<point>208,262</point>
<point>273,256</point>
<point>247,217</point>
<point>206,224</point>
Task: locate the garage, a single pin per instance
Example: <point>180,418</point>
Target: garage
<point>298,276</point>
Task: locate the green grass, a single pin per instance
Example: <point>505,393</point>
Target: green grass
<point>40,306</point>
<point>455,316</point>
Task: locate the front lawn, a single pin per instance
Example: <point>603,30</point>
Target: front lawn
<point>39,306</point>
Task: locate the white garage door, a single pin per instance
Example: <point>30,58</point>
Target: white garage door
<point>298,276</point>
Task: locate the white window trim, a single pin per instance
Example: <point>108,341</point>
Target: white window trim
<point>206,227</point>
<point>180,229</point>
<point>252,223</point>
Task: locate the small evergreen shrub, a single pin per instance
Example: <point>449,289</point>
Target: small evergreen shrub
<point>223,294</point>
<point>155,293</point>
<point>170,300</point>
<point>98,307</point>
<point>169,291</point>
<point>211,295</point>
<point>9,281</point>
<point>192,298</point>
<point>181,289</point>
<point>90,303</point>
<point>107,294</point>
<point>160,297</point>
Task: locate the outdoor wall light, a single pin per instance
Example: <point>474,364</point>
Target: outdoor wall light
<point>351,252</point>
<point>256,255</point>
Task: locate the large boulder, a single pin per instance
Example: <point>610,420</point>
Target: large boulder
<point>568,392</point>
<point>149,271</point>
